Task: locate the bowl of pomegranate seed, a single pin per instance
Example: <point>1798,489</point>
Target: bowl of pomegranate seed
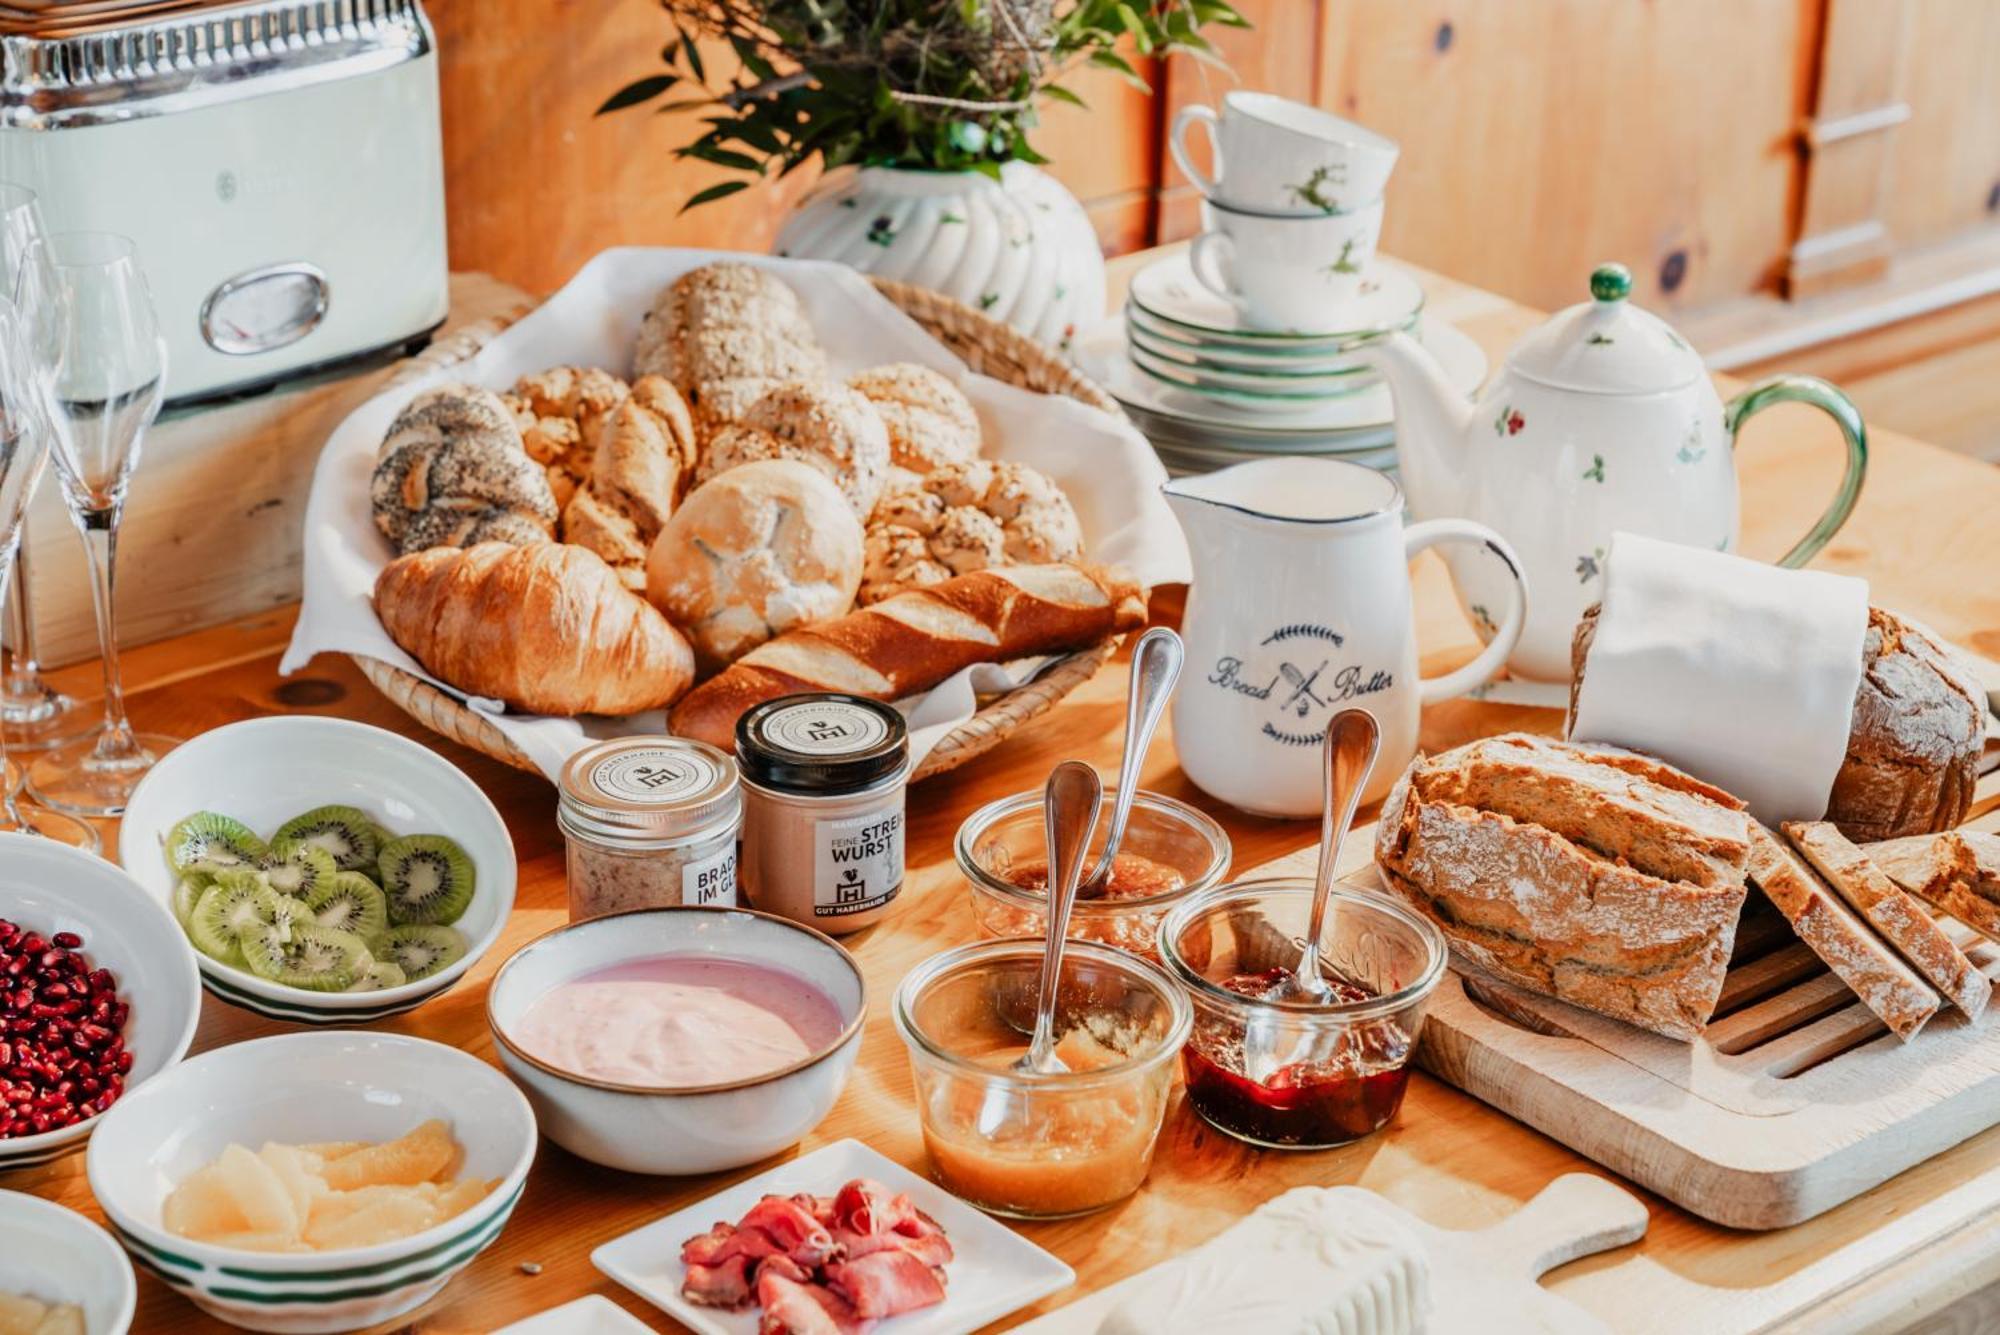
<point>98,993</point>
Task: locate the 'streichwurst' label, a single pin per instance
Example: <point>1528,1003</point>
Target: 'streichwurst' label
<point>857,863</point>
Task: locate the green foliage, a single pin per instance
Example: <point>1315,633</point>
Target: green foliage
<point>943,85</point>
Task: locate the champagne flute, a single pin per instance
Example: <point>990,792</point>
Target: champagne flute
<point>24,451</point>
<point>33,714</point>
<point>99,342</point>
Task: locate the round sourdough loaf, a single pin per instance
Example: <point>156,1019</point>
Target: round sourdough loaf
<point>1913,745</point>
<point>753,553</point>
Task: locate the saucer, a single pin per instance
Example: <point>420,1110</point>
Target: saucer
<point>1146,333</point>
<point>1390,298</point>
<point>1278,391</point>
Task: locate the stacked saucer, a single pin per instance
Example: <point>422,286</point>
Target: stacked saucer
<point>1209,389</point>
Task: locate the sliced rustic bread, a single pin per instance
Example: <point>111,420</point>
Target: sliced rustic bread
<point>1957,871</point>
<point>1862,960</point>
<point>1899,918</point>
<point>1603,878</point>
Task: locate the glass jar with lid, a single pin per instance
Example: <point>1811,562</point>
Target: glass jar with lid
<point>651,822</point>
<point>824,776</point>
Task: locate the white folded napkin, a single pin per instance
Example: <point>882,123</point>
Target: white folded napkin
<point>1743,674</point>
<point>1111,475</point>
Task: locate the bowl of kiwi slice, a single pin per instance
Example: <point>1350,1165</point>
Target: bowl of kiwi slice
<point>325,871</point>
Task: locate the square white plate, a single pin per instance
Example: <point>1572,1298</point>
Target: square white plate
<point>585,1316</point>
<point>994,1270</point>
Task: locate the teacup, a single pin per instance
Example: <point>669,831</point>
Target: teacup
<point>1285,272</point>
<point>1273,155</point>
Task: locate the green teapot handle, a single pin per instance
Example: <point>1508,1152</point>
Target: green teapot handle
<point>1823,396</point>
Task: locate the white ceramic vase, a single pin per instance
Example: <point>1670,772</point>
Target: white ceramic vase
<point>1021,249</point>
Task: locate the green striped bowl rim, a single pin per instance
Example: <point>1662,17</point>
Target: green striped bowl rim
<point>232,1283</point>
<point>303,1011</point>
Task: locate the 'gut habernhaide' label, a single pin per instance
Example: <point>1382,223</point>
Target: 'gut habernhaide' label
<point>857,863</point>
<point>711,880</point>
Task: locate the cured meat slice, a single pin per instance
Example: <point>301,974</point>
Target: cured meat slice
<point>886,1282</point>
<point>792,1308</point>
<point>793,1227</point>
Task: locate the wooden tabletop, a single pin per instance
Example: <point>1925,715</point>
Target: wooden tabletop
<point>1924,534</point>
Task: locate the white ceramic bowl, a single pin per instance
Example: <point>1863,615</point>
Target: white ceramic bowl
<point>265,771</point>
<point>702,1129</point>
<point>58,1256</point>
<point>300,1088</point>
<point>47,888</point>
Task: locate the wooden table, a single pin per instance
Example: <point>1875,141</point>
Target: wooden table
<point>1924,533</point>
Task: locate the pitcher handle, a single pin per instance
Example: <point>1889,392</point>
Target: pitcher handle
<point>1176,143</point>
<point>1480,670</point>
<point>1829,400</point>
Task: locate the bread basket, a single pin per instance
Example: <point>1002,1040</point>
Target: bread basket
<point>986,346</point>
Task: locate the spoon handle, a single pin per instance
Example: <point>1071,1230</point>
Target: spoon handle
<point>1070,806</point>
<point>1353,740</point>
<point>1156,666</point>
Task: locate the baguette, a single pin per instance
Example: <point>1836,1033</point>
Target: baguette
<point>1575,890</point>
<point>548,629</point>
<point>1957,871</point>
<point>1875,973</point>
<point>913,641</point>
<point>1898,917</point>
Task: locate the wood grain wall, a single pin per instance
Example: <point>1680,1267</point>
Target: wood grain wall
<point>1539,136</point>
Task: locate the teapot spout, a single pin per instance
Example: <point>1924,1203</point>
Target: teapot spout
<point>1433,420</point>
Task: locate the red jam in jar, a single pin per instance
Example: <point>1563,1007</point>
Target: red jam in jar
<point>1348,1088</point>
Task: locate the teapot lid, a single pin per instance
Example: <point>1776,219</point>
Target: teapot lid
<point>1607,345</point>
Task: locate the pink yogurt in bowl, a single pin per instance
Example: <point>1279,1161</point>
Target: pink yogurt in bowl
<point>679,1040</point>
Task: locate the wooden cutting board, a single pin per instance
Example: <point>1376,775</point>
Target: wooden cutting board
<point>1794,1100</point>
<point>1483,1280</point>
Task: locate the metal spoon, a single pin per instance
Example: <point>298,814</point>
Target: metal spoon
<point>1070,805</point>
<point>1353,741</point>
<point>1156,666</point>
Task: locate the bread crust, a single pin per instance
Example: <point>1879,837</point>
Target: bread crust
<point>548,629</point>
<point>1957,871</point>
<point>915,640</point>
<point>1599,910</point>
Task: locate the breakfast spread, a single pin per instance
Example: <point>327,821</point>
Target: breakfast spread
<point>324,1197</point>
<point>333,902</point>
<point>25,1314</point>
<point>63,1057</point>
<point>679,1020</point>
<point>649,822</point>
<point>821,1265</point>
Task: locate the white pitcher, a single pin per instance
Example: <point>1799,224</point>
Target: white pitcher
<point>1301,607</point>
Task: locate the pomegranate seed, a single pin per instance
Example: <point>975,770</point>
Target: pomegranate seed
<point>62,1053</point>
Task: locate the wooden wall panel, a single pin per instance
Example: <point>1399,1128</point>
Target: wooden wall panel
<point>1946,175</point>
<point>536,184</point>
<point>1541,137</point>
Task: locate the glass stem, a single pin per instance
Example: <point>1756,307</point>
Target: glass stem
<point>100,536</point>
<point>10,815</point>
<point>23,673</point>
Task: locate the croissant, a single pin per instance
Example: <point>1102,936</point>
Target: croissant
<point>548,628</point>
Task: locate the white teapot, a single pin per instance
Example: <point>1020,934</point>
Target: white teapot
<point>1601,419</point>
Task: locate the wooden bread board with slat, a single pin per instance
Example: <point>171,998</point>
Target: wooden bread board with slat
<point>1795,1099</point>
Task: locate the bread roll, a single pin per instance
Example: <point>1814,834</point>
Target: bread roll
<point>930,421</point>
<point>754,553</point>
<point>818,422</point>
<point>1598,876</point>
<point>452,471</point>
<point>915,640</point>
<point>1913,744</point>
<point>642,460</point>
<point>560,412</point>
<point>966,517</point>
<point>548,629</point>
<point>725,334</point>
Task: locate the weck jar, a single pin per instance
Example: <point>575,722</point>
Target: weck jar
<point>651,822</point>
<point>824,778</point>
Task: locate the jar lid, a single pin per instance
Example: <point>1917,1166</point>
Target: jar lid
<point>821,743</point>
<point>648,788</point>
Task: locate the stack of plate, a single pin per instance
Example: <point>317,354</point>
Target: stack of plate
<point>1209,390</point>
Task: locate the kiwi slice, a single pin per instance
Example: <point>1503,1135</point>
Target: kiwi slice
<point>352,903</point>
<point>420,950</point>
<point>343,833</point>
<point>237,902</point>
<point>379,974</point>
<point>188,888</point>
<point>208,842</point>
<point>312,957</point>
<point>298,870</point>
<point>428,879</point>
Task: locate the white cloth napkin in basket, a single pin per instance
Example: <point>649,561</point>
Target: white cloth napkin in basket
<point>1110,473</point>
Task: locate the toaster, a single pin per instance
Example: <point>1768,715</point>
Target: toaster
<point>278,163</point>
